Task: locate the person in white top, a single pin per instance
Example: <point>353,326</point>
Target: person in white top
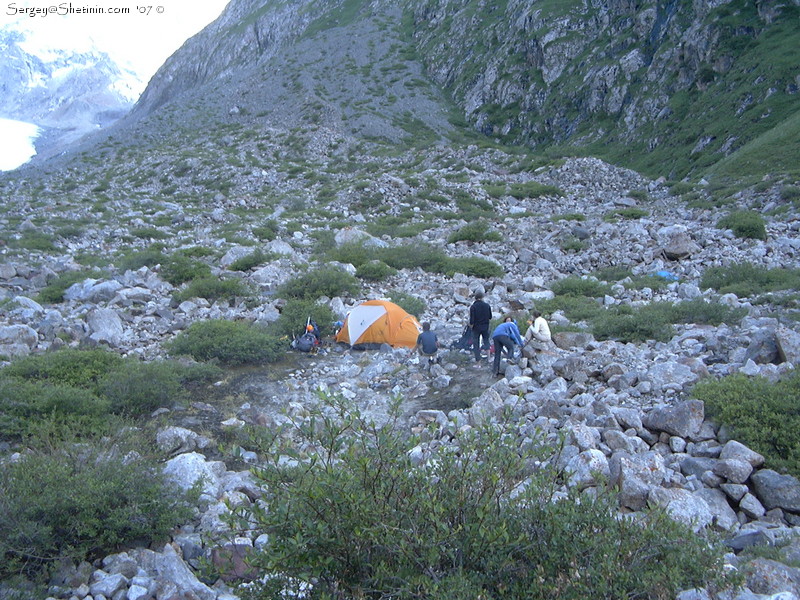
<point>538,335</point>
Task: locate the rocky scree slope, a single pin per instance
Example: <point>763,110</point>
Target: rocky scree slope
<point>667,88</point>
<point>626,408</point>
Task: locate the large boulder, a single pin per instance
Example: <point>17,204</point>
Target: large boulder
<point>676,242</point>
<point>683,506</point>
<point>683,420</point>
<point>105,326</point>
<point>776,490</point>
<point>17,340</point>
<point>788,343</point>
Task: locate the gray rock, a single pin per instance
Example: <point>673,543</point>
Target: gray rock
<point>171,568</point>
<point>108,585</point>
<point>635,476</point>
<point>788,343</point>
<point>676,242</point>
<point>738,451</point>
<point>17,340</point>
<point>724,517</point>
<point>734,470</point>
<point>766,576</point>
<point>763,347</point>
<point>684,419</point>
<point>671,375</point>
<point>583,468</point>
<point>176,440</point>
<point>105,326</point>
<point>776,490</point>
<point>750,505</point>
<point>683,506</point>
<point>186,469</point>
<point>569,340</point>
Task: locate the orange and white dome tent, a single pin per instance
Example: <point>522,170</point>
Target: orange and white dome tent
<point>379,322</point>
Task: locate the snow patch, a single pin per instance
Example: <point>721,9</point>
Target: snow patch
<point>17,147</point>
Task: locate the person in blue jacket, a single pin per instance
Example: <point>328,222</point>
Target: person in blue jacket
<point>505,336</point>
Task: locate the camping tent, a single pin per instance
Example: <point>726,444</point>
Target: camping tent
<point>379,322</point>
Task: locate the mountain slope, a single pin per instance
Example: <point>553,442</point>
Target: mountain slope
<point>667,88</point>
<point>67,94</point>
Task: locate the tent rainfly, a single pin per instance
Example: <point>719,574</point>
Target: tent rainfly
<point>379,322</point>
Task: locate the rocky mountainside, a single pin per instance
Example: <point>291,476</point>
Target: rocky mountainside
<point>666,88</point>
<point>66,94</point>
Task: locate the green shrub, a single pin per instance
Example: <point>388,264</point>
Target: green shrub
<point>569,217</point>
<point>35,241</point>
<point>212,289</point>
<point>138,388</point>
<point>745,279</point>
<point>533,189</point>
<point>625,324</point>
<point>575,308</point>
<point>761,415</point>
<point>324,281</point>
<point>411,304</point>
<point>196,252</point>
<point>69,367</point>
<point>252,260</point>
<point>360,520</point>
<point>229,342</point>
<point>267,232</point>
<point>700,312</point>
<point>474,232</point>
<point>572,244</point>
<point>614,273</point>
<point>679,188</point>
<point>179,269</point>
<point>149,233</point>
<point>353,254</point>
<point>24,403</point>
<point>473,266</point>
<point>745,224</point>
<point>577,286</point>
<point>144,258</point>
<point>631,213</point>
<point>790,192</point>
<point>295,314</point>
<point>74,502</point>
<point>53,292</point>
<point>375,270</point>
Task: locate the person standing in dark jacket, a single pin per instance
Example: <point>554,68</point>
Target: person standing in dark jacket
<point>480,314</point>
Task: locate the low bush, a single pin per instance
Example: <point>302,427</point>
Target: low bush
<point>472,266</point>
<point>745,224</point>
<point>72,502</point>
<point>53,292</point>
<point>267,232</point>
<point>474,232</point>
<point>252,260</point>
<point>212,289</point>
<point>577,286</point>
<point>613,273</point>
<point>179,269</point>
<point>375,270</point>
<point>24,403</point>
<point>34,241</point>
<point>631,213</point>
<point>746,279</point>
<point>533,189</point>
<point>138,388</point>
<point>625,324</point>
<point>229,342</point>
<point>295,314</point>
<point>411,304</point>
<point>144,258</point>
<point>359,519</point>
<point>75,368</point>
<point>575,308</point>
<point>569,217</point>
<point>760,414</point>
<point>324,281</point>
<point>700,312</point>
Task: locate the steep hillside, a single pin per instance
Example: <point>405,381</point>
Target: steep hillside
<point>666,88</point>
